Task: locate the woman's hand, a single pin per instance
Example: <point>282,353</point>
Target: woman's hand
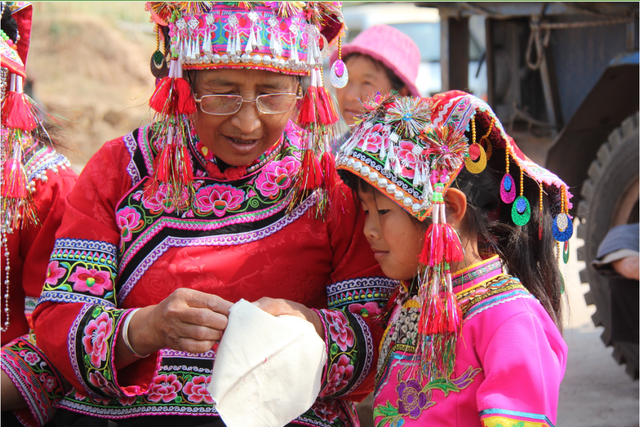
<point>277,307</point>
<point>187,320</point>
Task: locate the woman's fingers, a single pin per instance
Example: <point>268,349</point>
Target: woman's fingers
<point>184,317</point>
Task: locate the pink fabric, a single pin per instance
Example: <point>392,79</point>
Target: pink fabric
<point>390,46</point>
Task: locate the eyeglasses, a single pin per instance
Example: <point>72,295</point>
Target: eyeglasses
<point>270,103</point>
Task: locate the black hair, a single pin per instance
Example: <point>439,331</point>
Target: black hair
<point>527,257</point>
<point>396,82</point>
<point>530,259</point>
<point>9,24</point>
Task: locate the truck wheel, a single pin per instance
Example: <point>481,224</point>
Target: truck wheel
<point>610,198</point>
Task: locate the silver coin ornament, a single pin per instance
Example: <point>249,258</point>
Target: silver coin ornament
<point>339,75</point>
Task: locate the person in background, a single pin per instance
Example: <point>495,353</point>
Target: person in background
<point>379,59</point>
<point>618,261</point>
<point>36,180</point>
<point>474,334</point>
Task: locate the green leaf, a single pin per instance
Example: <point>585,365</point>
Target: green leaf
<point>385,411</point>
<point>334,349</point>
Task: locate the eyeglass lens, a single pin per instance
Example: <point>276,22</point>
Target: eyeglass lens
<point>229,104</point>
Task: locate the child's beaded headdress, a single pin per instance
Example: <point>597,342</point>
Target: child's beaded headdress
<point>283,37</point>
<point>412,149</point>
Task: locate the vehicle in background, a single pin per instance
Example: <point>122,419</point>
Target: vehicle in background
<point>423,26</point>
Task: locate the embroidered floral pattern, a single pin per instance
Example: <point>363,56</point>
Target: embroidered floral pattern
<point>54,272</point>
<point>277,176</point>
<point>165,388</point>
<point>156,203</point>
<point>339,375</point>
<point>414,398</point>
<point>196,390</point>
<point>91,280</point>
<point>36,379</point>
<point>407,159</point>
<point>81,270</point>
<point>218,198</point>
<point>95,339</point>
<point>326,410</point>
<point>128,219</point>
<point>339,329</point>
<point>373,141</point>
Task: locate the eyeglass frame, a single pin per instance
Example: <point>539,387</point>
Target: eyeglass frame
<point>199,101</point>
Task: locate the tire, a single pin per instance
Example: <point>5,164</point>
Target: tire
<point>610,198</point>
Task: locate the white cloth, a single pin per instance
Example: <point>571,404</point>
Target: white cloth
<point>268,369</point>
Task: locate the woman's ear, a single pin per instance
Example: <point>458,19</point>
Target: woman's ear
<point>404,91</point>
<point>456,205</point>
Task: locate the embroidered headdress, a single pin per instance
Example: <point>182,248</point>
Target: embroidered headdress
<point>412,149</point>
<point>283,37</point>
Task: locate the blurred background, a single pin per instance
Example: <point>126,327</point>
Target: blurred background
<point>562,77</point>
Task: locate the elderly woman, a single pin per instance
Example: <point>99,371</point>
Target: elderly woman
<point>216,201</point>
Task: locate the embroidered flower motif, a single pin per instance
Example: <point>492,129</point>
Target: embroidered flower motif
<point>373,141</point>
<point>48,382</point>
<point>339,329</point>
<point>128,400</point>
<point>365,310</point>
<point>218,198</point>
<point>339,376</point>
<point>325,410</point>
<point>54,272</point>
<point>32,358</point>
<point>165,388</point>
<point>158,201</point>
<point>102,383</point>
<point>277,176</point>
<point>196,390</point>
<point>92,281</point>
<point>96,338</point>
<point>407,159</point>
<point>128,219</point>
<point>412,399</point>
<point>78,396</point>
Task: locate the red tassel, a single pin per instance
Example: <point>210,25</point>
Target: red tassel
<point>311,171</point>
<point>426,247</point>
<point>186,103</point>
<point>329,167</point>
<point>453,251</point>
<point>307,114</point>
<point>327,109</point>
<point>160,97</point>
<point>173,96</point>
<point>431,318</point>
<point>17,112</point>
<point>15,180</point>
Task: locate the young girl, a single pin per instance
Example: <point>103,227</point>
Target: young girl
<point>467,223</point>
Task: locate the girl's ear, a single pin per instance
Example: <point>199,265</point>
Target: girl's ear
<point>456,204</point>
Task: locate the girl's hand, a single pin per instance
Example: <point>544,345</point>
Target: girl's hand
<point>277,307</point>
<point>187,320</point>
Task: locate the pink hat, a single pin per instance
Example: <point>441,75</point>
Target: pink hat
<point>394,49</point>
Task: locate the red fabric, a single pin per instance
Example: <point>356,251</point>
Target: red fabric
<point>30,249</point>
<point>295,263</point>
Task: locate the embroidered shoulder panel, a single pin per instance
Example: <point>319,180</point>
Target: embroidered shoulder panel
<point>490,293</point>
<point>237,212</point>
